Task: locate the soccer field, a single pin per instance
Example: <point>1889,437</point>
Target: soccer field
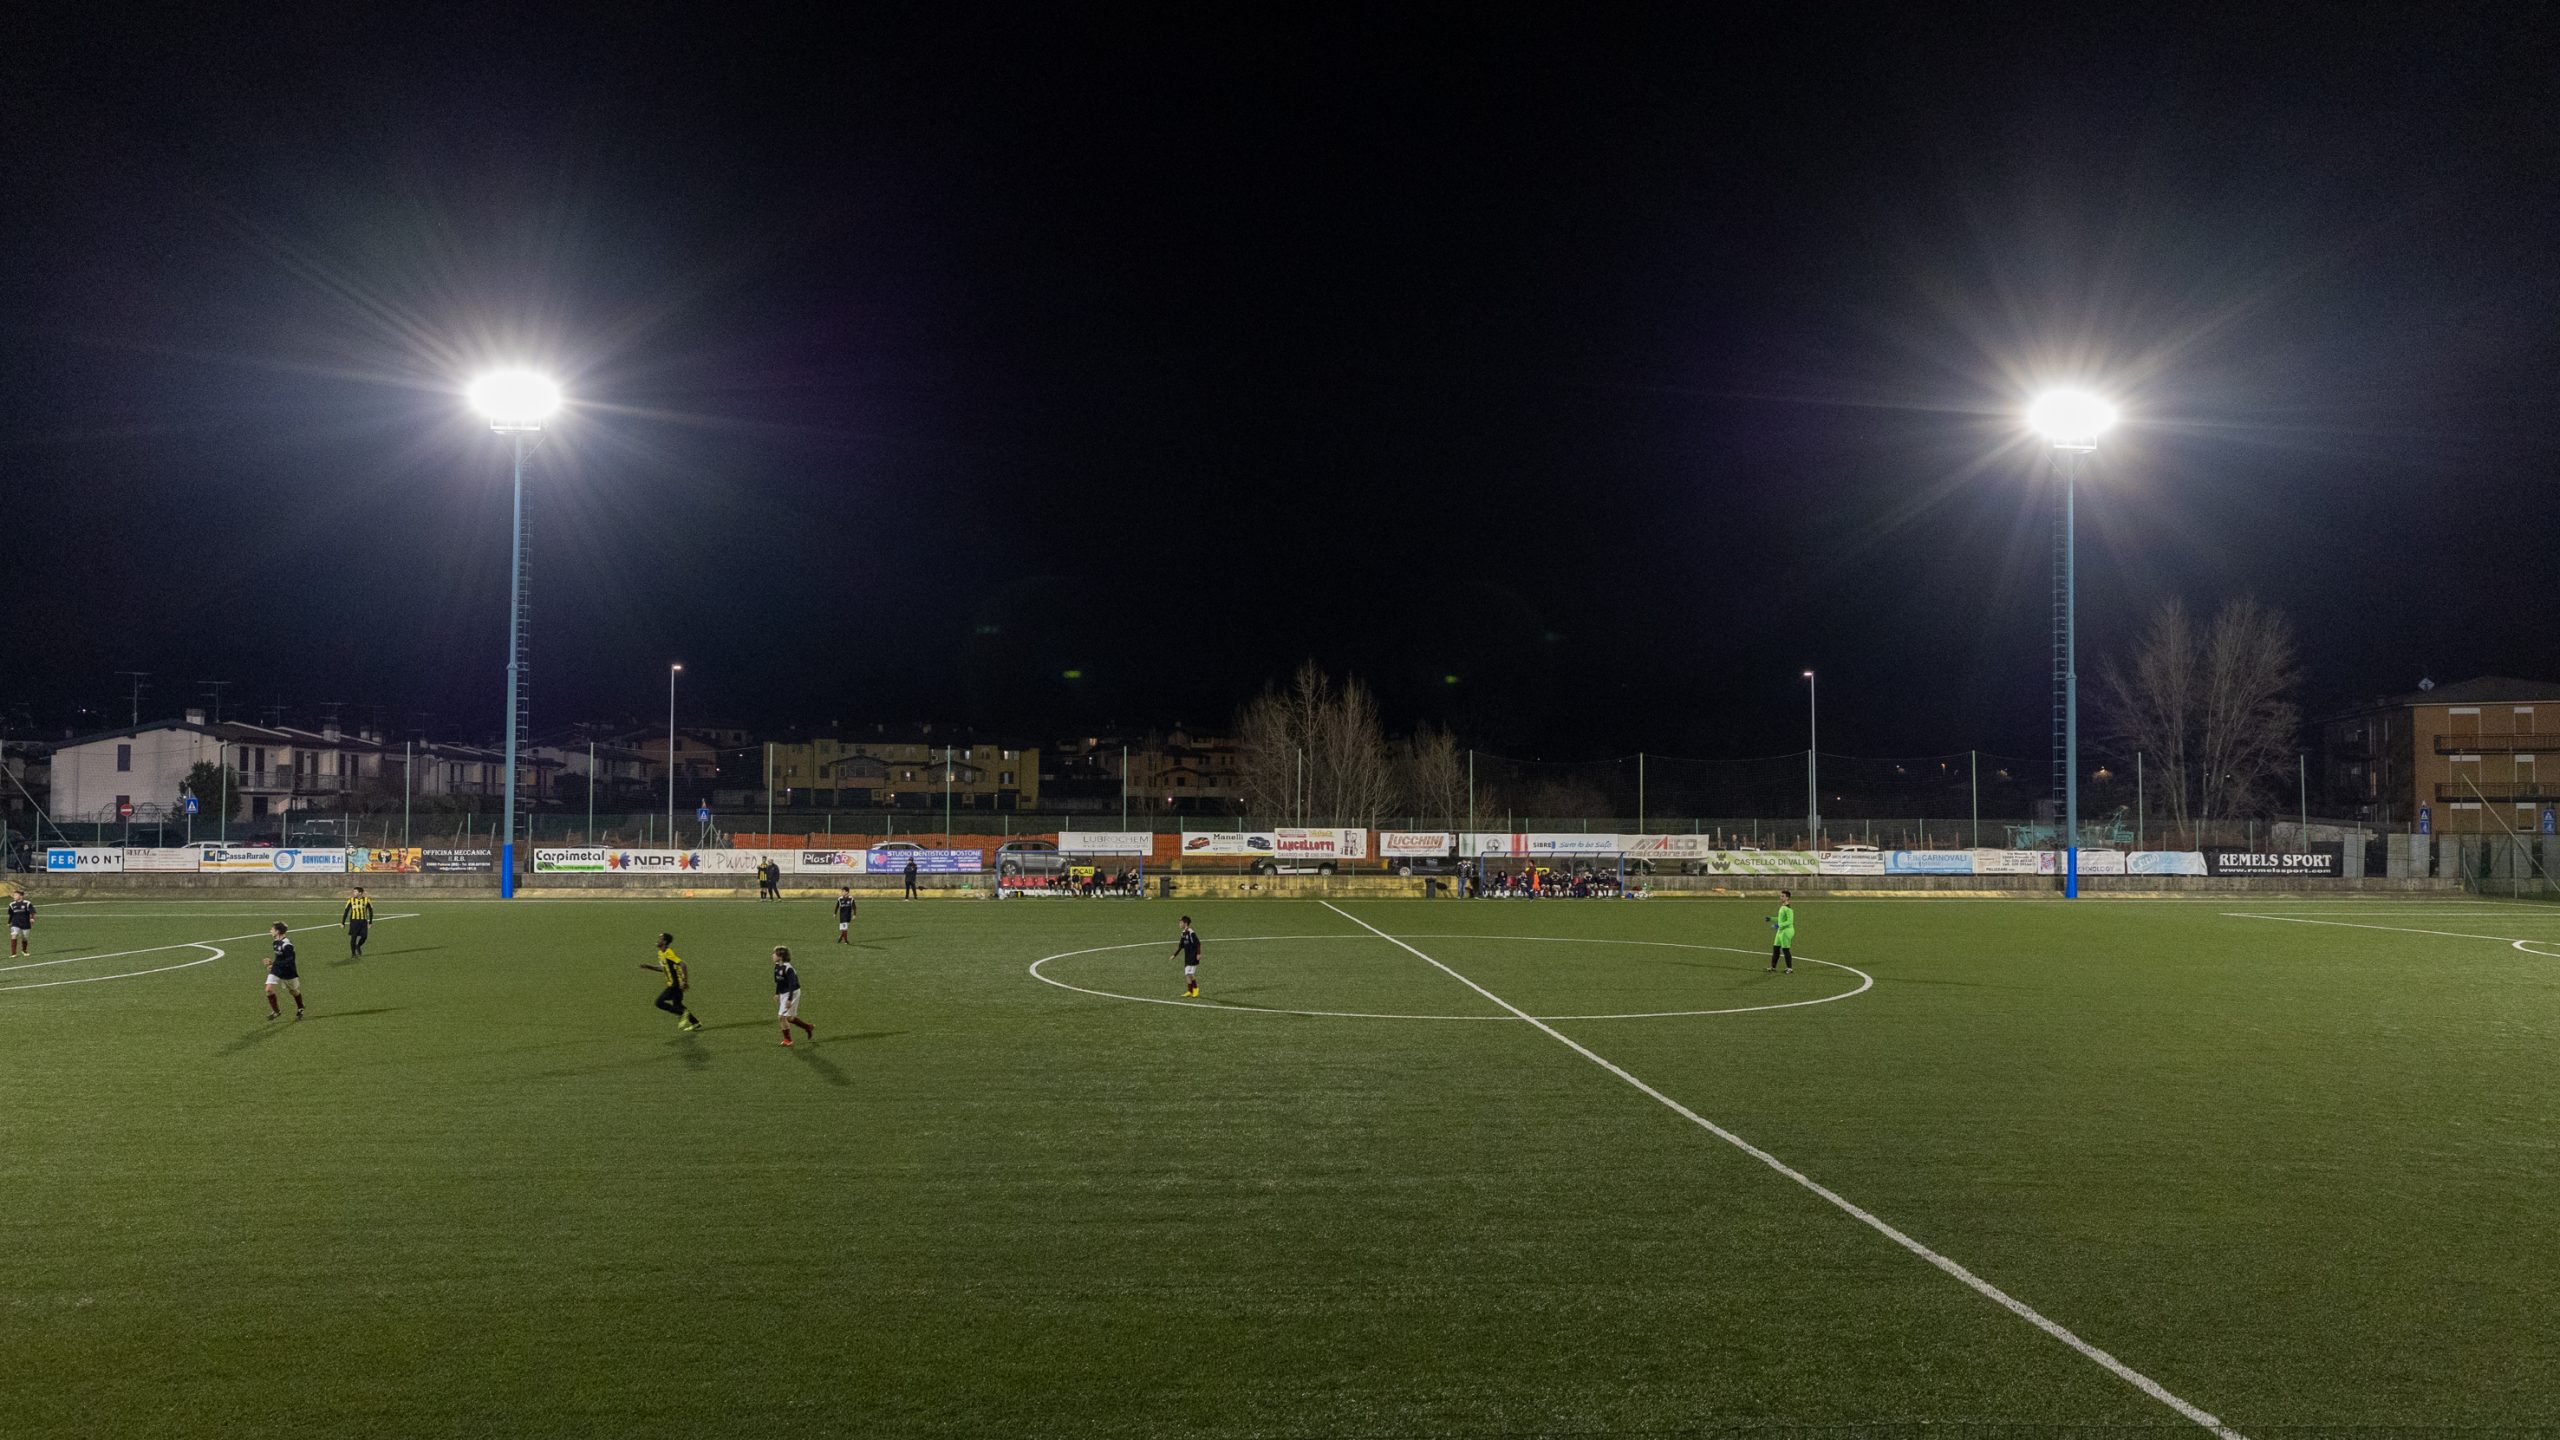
<point>2288,1163</point>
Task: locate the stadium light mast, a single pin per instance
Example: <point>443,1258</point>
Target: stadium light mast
<point>1812,763</point>
<point>2072,420</point>
<point>672,672</point>
<point>516,403</point>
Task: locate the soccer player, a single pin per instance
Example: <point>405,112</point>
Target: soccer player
<point>1782,941</point>
<point>281,970</point>
<point>679,980</point>
<point>768,880</point>
<point>357,921</point>
<point>22,922</point>
<point>911,878</point>
<point>1188,947</point>
<point>844,914</point>
<point>786,994</point>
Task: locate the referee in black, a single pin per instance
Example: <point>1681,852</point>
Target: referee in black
<point>357,921</point>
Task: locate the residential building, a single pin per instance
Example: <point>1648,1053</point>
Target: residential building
<point>2481,756</point>
<point>137,772</point>
<point>885,771</point>
<point>1179,771</point>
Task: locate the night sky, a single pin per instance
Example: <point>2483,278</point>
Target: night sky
<point>1619,363</point>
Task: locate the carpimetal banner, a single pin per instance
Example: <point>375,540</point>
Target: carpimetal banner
<point>569,860</point>
<point>2317,861</point>
<point>1106,842</point>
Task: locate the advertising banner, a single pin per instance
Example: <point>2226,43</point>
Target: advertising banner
<point>218,858</point>
<point>1106,842</point>
<point>398,860</point>
<point>318,862</point>
<point>1321,844</point>
<point>2102,862</point>
<point>927,862</point>
<point>274,862</point>
<point>1408,844</point>
<point>1852,862</point>
<point>1665,847</point>
<point>1227,842</point>
<point>2165,862</point>
<point>1928,862</point>
<point>1539,846</point>
<point>82,859</point>
<point>569,860</point>
<point>828,862</point>
<point>2317,861</point>
<point>470,861</point>
<point>2013,862</point>
<point>1762,862</point>
<point>174,858</point>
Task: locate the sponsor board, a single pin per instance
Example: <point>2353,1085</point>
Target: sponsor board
<point>2012,862</point>
<point>1665,847</point>
<point>317,862</point>
<point>1762,862</point>
<point>569,860</point>
<point>2165,862</point>
<point>428,861</point>
<point>1226,842</point>
<point>1408,844</point>
<point>928,862</point>
<point>1928,862</point>
<point>1538,846</point>
<point>77,858</point>
<point>828,862</point>
<point>170,859</point>
<point>82,859</point>
<point>274,862</point>
<point>2316,861</point>
<point>227,860</point>
<point>1346,844</point>
<point>2102,862</point>
<point>1852,862</point>
<point>1106,842</point>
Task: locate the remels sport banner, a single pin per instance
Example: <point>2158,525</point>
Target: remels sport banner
<point>2318,861</point>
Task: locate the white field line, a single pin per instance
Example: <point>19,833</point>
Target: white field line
<point>147,950</point>
<point>218,953</point>
<point>1985,1288</point>
<point>2354,925</point>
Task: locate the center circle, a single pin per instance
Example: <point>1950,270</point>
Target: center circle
<point>1866,981</point>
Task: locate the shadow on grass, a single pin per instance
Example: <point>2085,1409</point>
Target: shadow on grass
<point>410,950</point>
<point>688,1048</point>
<point>828,1070</point>
<point>266,1031</point>
<point>356,1014</point>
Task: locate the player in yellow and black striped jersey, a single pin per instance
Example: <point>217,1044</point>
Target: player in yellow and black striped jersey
<point>357,921</point>
<point>679,980</point>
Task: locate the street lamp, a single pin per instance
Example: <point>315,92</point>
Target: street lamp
<point>516,403</point>
<point>1812,770</point>
<point>2072,420</point>
<point>672,672</point>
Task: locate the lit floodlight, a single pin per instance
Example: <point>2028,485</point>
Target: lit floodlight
<point>2071,419</point>
<point>515,400</point>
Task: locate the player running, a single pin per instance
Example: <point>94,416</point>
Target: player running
<point>679,980</point>
<point>1782,941</point>
<point>844,915</point>
<point>1188,947</point>
<point>357,921</point>
<point>786,994</point>
<point>22,922</point>
<point>282,970</point>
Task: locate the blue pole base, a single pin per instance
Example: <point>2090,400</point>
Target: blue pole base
<point>507,871</point>
<point>2071,873</point>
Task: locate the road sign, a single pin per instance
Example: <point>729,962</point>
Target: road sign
<point>124,809</point>
<point>702,813</point>
<point>2426,820</point>
<point>2550,822</point>
<point>191,804</point>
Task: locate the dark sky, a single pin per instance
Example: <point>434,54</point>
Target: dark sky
<point>1620,363</point>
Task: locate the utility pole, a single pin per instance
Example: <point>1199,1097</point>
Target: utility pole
<point>215,688</point>
<point>141,681</point>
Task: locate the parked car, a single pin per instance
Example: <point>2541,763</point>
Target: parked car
<point>1029,857</point>
<point>1291,867</point>
<point>1432,865</point>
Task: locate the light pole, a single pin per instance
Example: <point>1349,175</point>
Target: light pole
<point>516,403</point>
<point>1812,767</point>
<point>672,672</point>
<point>2072,420</point>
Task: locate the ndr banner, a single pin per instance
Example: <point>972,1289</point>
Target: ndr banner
<point>1106,842</point>
<point>607,860</point>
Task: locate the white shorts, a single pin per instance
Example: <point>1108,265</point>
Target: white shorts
<point>18,932</point>
<point>843,926</point>
<point>1190,969</point>
<point>787,1004</point>
<point>294,984</point>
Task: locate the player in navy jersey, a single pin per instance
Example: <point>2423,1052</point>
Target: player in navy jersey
<point>22,923</point>
<point>1187,945</point>
<point>786,995</point>
<point>282,970</point>
<point>844,915</point>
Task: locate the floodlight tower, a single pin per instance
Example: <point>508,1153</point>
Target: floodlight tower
<point>2072,420</point>
<point>516,403</point>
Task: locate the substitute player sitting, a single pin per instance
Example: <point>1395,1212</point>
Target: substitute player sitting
<point>679,980</point>
<point>282,969</point>
<point>786,995</point>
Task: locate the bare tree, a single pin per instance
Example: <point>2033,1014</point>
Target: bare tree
<point>1316,752</point>
<point>1432,776</point>
<point>2212,715</point>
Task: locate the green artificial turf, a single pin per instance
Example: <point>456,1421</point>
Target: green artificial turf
<point>2300,1175</point>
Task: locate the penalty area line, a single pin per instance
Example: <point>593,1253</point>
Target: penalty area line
<point>1980,1286</point>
